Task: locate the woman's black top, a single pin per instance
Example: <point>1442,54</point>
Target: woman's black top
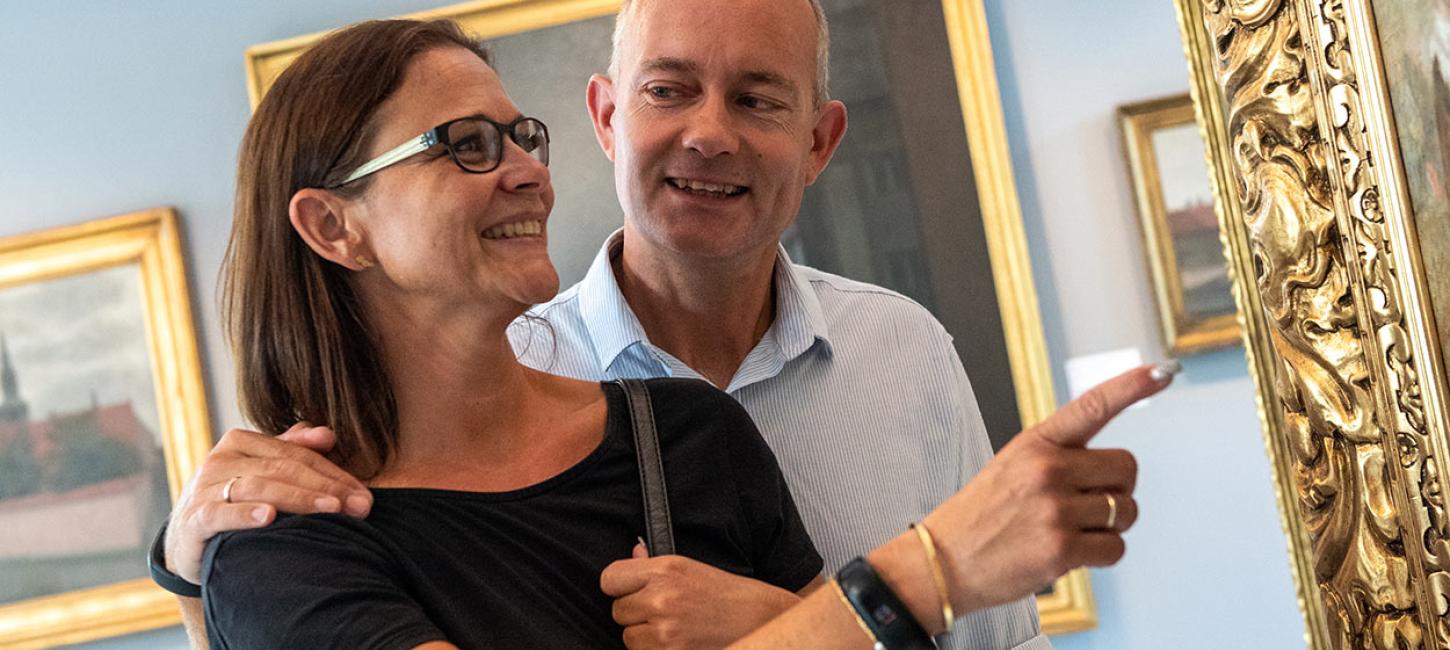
<point>515,569</point>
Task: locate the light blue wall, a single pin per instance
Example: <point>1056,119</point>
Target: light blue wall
<point>1207,566</point>
<point>114,106</point>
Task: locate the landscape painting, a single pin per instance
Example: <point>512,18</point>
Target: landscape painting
<point>1168,166</point>
<point>103,417</point>
<point>82,469</point>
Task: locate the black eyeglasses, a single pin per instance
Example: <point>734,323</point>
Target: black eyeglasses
<point>475,144</point>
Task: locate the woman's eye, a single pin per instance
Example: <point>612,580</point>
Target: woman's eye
<point>471,143</point>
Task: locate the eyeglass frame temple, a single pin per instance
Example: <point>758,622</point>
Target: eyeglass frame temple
<point>393,156</point>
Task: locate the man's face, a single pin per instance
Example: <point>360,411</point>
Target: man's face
<point>711,123</point>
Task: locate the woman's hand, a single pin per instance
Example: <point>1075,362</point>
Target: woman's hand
<point>1043,506</point>
<point>266,474</point>
<point>675,602</point>
<point>1036,511</point>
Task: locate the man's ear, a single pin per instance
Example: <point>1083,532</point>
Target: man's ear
<point>601,111</point>
<point>320,218</point>
<point>826,136</point>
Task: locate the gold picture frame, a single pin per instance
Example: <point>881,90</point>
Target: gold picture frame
<point>149,241</point>
<point>1339,323</point>
<point>1181,242</point>
<point>1068,606</point>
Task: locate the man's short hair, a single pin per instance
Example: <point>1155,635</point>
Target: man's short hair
<point>822,91</point>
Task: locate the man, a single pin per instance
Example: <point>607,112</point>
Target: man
<point>716,122</point>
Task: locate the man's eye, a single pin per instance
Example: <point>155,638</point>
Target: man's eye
<point>755,103</point>
<point>661,92</point>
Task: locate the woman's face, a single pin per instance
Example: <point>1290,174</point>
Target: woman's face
<point>437,232</point>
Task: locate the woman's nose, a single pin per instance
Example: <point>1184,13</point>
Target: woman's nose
<point>521,171</point>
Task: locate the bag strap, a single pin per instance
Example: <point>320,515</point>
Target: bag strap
<point>659,531</point>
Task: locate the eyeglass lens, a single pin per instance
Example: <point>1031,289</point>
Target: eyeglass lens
<point>477,144</point>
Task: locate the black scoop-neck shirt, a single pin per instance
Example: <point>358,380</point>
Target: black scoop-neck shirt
<point>517,569</point>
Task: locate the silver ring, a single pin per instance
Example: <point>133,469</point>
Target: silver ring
<point>1112,510</point>
<point>227,489</point>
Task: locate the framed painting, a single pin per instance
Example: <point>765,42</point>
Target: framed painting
<point>102,417</point>
<point>920,197</point>
<point>1169,169</point>
<point>1329,128</point>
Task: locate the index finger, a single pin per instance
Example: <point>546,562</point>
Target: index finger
<point>624,577</point>
<point>1076,423</point>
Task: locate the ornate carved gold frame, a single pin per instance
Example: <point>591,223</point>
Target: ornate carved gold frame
<point>1069,606</point>
<point>1292,99</point>
<point>150,239</point>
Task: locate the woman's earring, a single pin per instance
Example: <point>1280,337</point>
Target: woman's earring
<point>363,262</point>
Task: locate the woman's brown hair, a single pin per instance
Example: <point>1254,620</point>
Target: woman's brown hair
<point>302,345</point>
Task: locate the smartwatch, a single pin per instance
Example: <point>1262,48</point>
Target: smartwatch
<point>880,609</point>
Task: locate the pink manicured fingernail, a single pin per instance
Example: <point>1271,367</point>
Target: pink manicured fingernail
<point>259,514</point>
<point>327,504</point>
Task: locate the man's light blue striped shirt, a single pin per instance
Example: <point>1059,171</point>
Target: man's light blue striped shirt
<point>857,389</point>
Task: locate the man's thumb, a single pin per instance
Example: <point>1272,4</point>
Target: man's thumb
<point>1076,423</point>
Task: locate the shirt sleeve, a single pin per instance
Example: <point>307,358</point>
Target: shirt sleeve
<point>1013,625</point>
<point>316,581</point>
<point>783,553</point>
<point>966,415</point>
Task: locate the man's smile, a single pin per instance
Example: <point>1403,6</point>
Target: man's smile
<point>706,188</point>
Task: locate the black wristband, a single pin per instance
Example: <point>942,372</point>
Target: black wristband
<point>879,608</point>
<point>156,562</point>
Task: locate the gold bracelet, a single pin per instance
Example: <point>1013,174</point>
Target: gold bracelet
<point>937,575</point>
<point>855,615</point>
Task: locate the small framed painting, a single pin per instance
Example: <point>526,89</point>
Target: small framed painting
<point>1169,168</point>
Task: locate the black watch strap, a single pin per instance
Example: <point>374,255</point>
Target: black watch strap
<point>879,608</point>
<point>156,562</point>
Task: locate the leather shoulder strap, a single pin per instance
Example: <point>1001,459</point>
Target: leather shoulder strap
<point>659,532</point>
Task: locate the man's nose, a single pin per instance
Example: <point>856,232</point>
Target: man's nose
<point>710,130</point>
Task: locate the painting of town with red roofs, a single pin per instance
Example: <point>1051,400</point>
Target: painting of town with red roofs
<point>82,472</point>
<point>1192,224</point>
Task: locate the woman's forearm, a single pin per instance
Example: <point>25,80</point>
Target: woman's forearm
<point>825,620</point>
<point>193,619</point>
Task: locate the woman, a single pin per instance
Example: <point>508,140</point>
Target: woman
<point>416,199</point>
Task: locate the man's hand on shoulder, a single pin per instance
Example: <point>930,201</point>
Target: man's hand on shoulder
<point>262,475</point>
<point>675,602</point>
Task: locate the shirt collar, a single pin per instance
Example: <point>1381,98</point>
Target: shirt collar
<point>614,328</point>
<point>799,320</point>
<point>612,325</point>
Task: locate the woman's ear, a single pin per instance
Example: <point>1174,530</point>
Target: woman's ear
<point>321,218</point>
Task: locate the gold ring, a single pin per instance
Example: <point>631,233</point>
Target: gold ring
<point>227,489</point>
<point>1112,510</point>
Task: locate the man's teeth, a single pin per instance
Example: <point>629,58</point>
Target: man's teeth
<point>511,230</point>
<point>706,188</point>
